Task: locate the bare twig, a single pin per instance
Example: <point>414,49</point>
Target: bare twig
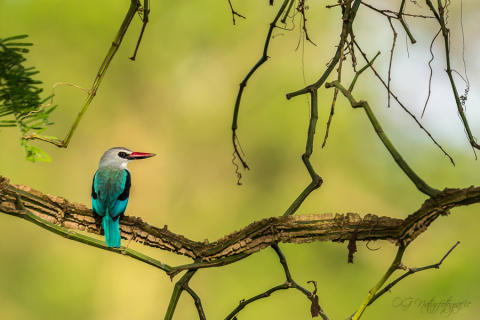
<point>357,74</point>
<point>347,25</point>
<point>243,84</point>
<point>394,266</point>
<point>382,12</point>
<point>302,8</point>
<point>387,12</point>
<point>403,107</point>
<point>336,5</point>
<point>198,303</point>
<point>117,41</point>
<point>316,179</point>
<point>440,16</point>
<point>431,72</point>
<point>290,283</point>
<point>404,24</point>
<point>285,16</point>
<point>330,117</point>
<point>343,42</point>
<point>234,13</point>
<point>181,285</point>
<point>391,58</point>
<point>42,106</point>
<point>410,272</point>
<point>464,97</point>
<point>146,11</point>
<point>265,294</point>
<point>421,185</point>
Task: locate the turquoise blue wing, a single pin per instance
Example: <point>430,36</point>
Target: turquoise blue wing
<point>110,191</point>
<point>98,206</point>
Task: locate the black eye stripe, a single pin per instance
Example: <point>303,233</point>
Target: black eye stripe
<point>122,155</point>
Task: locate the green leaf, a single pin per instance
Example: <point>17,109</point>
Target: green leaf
<point>23,36</point>
<point>19,95</point>
<point>18,44</point>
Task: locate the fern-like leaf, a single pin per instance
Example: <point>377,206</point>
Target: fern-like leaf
<point>20,97</point>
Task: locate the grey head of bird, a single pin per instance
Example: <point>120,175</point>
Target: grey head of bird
<point>119,157</point>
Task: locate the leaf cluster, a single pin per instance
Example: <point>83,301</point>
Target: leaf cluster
<point>20,98</point>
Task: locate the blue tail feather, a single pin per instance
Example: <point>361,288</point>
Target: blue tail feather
<point>112,231</point>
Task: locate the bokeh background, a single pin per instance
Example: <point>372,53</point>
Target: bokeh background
<point>177,100</point>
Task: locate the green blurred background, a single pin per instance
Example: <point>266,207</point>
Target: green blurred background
<point>177,100</point>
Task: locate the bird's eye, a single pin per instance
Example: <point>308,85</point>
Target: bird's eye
<point>122,154</point>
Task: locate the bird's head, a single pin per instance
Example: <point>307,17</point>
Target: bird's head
<point>120,157</point>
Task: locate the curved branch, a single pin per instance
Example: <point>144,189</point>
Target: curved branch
<point>395,265</point>
<point>317,181</point>
<point>198,303</point>
<point>59,215</point>
<point>401,104</point>
<point>266,294</point>
<point>289,283</point>
<point>410,272</point>
<point>181,285</point>
<point>18,209</point>
<point>421,185</point>
<point>243,84</point>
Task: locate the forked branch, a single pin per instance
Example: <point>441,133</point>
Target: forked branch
<point>421,185</point>
<point>410,272</point>
<point>243,84</point>
<point>117,41</point>
<point>63,218</point>
<point>289,283</point>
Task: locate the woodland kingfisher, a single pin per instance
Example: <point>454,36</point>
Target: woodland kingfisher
<point>111,189</point>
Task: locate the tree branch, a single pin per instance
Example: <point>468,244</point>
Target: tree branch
<point>181,285</point>
<point>146,11</point>
<point>134,5</point>
<point>290,283</point>
<point>359,72</point>
<point>234,13</point>
<point>395,265</point>
<point>59,216</point>
<point>243,84</point>
<point>446,33</point>
<point>266,294</point>
<point>346,29</point>
<point>401,105</point>
<point>208,264</point>
<point>317,181</point>
<point>410,271</point>
<point>198,303</point>
<point>402,20</point>
<point>307,293</point>
<point>422,186</point>
<point>22,212</point>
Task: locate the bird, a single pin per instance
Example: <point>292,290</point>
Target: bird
<point>111,190</point>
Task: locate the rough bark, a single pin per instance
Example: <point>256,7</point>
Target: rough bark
<point>254,237</point>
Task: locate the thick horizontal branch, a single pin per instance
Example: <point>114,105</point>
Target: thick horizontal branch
<point>58,212</point>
